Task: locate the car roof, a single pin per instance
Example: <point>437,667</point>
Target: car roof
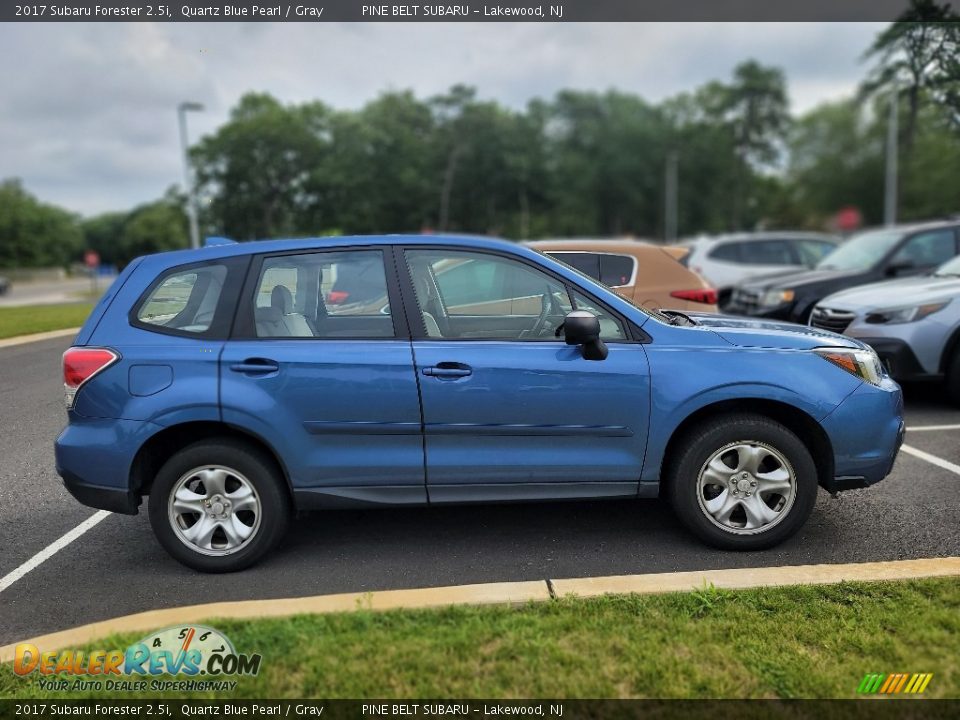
<point>593,245</point>
<point>225,249</point>
<point>772,235</point>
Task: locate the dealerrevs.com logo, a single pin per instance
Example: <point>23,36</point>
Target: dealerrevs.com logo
<point>894,684</point>
<point>205,655</point>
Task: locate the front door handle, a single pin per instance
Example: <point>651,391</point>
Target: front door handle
<point>448,370</point>
<point>256,366</point>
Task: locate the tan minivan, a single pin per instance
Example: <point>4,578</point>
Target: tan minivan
<point>648,275</point>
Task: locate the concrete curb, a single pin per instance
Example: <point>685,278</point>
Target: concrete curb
<point>512,593</point>
<point>37,337</point>
<point>508,593</point>
<point>759,577</point>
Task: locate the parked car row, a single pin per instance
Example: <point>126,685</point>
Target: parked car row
<point>894,288</point>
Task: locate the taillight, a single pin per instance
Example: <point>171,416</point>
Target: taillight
<point>81,364</point>
<point>337,297</point>
<point>703,295</point>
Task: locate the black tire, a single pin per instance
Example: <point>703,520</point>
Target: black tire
<point>257,469</point>
<point>699,444</point>
<point>953,377</point>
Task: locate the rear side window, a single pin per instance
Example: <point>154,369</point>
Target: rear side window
<point>768,252</point>
<point>616,270</point>
<point>728,252</point>
<point>184,300</point>
<point>587,263</point>
<point>323,294</point>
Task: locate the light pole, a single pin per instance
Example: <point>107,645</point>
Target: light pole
<point>890,181</point>
<point>670,198</point>
<point>182,110</point>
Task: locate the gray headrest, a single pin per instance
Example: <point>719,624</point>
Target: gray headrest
<point>281,299</point>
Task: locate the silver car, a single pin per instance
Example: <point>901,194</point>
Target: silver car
<point>913,323</point>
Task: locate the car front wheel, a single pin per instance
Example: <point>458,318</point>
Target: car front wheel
<point>218,506</point>
<point>742,482</point>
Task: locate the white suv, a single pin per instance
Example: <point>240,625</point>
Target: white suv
<point>726,260</point>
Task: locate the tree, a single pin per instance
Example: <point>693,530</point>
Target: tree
<point>252,173</point>
<point>155,227</point>
<point>836,159</point>
<point>35,234</point>
<point>918,55</point>
<point>756,109</point>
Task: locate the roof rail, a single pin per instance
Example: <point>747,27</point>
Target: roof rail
<point>215,241</point>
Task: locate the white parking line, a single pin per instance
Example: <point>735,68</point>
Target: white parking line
<point>52,549</point>
<point>933,459</point>
<point>930,428</point>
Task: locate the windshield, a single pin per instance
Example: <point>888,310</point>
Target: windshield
<point>950,268</point>
<point>862,251</point>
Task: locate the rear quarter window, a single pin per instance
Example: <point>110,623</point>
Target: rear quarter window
<point>616,270</point>
<point>190,300</point>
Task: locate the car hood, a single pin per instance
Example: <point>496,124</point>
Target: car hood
<point>757,333</point>
<point>895,293</point>
<point>796,280</point>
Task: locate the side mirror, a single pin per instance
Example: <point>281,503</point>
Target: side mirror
<point>583,329</point>
<point>900,267</point>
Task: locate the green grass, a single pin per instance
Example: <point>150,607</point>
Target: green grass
<point>766,643</point>
<point>40,318</point>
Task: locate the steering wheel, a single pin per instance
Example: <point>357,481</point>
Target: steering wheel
<point>547,302</point>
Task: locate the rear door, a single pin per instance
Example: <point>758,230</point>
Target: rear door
<point>321,366</point>
<point>510,411</point>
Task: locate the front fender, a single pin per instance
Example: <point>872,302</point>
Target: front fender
<point>687,380</point>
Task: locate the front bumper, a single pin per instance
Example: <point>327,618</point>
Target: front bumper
<point>898,357</point>
<point>866,430</point>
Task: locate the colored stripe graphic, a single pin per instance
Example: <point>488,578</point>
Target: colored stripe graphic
<point>895,683</point>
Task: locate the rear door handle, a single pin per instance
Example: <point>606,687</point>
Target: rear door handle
<point>448,370</point>
<point>256,366</point>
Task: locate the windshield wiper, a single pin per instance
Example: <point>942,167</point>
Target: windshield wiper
<point>678,318</point>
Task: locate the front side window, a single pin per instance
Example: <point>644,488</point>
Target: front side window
<point>465,295</point>
<point>185,300</point>
<point>927,249</point>
<point>330,294</point>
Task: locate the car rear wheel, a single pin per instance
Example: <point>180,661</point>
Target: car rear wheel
<point>218,506</point>
<point>742,482</point>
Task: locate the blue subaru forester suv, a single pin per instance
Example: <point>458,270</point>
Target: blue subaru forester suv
<point>237,383</point>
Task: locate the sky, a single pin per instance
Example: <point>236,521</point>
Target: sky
<point>88,110</point>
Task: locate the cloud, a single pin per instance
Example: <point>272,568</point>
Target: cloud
<point>88,118</point>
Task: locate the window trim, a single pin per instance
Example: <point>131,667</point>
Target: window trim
<point>223,314</point>
<point>600,253</point>
<point>418,331</point>
<point>244,325</point>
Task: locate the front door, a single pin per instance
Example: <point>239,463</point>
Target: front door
<point>322,373</point>
<point>510,411</point>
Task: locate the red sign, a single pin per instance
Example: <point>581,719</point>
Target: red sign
<point>91,259</point>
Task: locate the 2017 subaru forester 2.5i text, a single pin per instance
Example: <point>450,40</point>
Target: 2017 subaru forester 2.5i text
<point>233,385</point>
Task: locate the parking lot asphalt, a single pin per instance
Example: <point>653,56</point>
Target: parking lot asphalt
<point>117,567</point>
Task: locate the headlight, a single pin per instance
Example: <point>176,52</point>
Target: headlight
<point>904,314</point>
<point>863,363</point>
<point>772,298</point>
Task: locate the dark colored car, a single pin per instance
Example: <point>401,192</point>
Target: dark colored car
<point>868,257</point>
<point>4,285</point>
